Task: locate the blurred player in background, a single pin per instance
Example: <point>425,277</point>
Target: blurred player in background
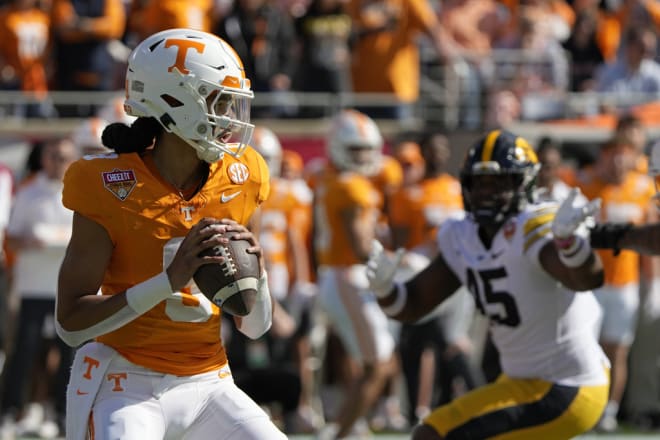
<point>626,198</point>
<point>87,136</point>
<point>420,211</point>
<point>641,398</point>
<point>283,225</point>
<point>347,207</point>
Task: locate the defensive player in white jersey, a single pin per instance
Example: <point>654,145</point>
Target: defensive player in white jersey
<point>524,263</point>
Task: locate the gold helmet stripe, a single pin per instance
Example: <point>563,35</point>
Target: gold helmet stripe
<point>489,145</point>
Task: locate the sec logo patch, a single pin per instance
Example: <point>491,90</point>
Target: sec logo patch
<point>238,173</point>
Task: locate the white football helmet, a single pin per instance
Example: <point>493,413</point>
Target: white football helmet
<point>87,136</point>
<point>194,83</point>
<point>268,145</point>
<point>350,129</point>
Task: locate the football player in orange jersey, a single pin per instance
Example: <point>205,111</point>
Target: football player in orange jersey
<point>346,208</point>
<point>292,165</point>
<point>626,198</point>
<point>182,174</point>
<point>644,239</point>
<point>87,136</point>
<point>642,387</point>
<point>387,178</point>
<point>282,228</point>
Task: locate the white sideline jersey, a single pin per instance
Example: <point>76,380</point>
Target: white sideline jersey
<point>541,329</point>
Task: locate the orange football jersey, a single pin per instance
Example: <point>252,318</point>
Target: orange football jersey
<point>283,210</point>
<point>628,202</point>
<point>141,214</point>
<point>421,208</point>
<point>336,193</point>
<point>24,45</point>
<point>390,176</point>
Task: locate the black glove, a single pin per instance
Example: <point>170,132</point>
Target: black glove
<point>608,235</point>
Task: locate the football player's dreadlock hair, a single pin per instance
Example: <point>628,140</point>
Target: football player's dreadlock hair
<point>134,138</point>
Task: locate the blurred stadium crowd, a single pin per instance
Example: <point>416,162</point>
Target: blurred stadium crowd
<point>489,62</point>
<point>470,63</point>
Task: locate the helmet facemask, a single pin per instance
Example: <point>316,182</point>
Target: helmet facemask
<point>512,166</point>
<point>508,193</point>
<point>229,124</point>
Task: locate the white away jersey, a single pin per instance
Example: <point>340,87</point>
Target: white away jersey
<point>541,329</point>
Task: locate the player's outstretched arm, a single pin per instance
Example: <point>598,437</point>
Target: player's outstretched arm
<point>644,239</point>
<point>570,258</point>
<point>411,300</point>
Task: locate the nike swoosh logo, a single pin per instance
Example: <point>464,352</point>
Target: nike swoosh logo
<point>81,393</point>
<point>225,199</point>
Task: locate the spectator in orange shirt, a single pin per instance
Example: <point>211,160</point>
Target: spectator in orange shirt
<point>24,50</point>
<point>82,31</point>
<point>385,55</point>
<point>147,17</point>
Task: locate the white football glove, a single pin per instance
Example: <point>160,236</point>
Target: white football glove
<point>382,267</point>
<point>569,217</point>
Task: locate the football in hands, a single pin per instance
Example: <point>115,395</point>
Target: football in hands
<point>231,285</point>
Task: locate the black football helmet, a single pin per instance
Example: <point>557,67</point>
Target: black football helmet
<point>514,164</point>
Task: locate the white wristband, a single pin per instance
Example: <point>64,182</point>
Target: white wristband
<point>577,254</point>
<point>259,320</point>
<point>399,302</point>
<point>144,296</point>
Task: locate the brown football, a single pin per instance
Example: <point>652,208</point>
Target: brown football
<point>231,285</point>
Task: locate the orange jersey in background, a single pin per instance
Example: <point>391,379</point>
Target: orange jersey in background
<point>422,207</point>
<point>159,15</point>
<point>390,176</point>
<point>24,45</point>
<point>628,202</point>
<point>385,55</point>
<point>334,194</point>
<point>110,25</point>
<point>141,214</point>
<point>284,210</point>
